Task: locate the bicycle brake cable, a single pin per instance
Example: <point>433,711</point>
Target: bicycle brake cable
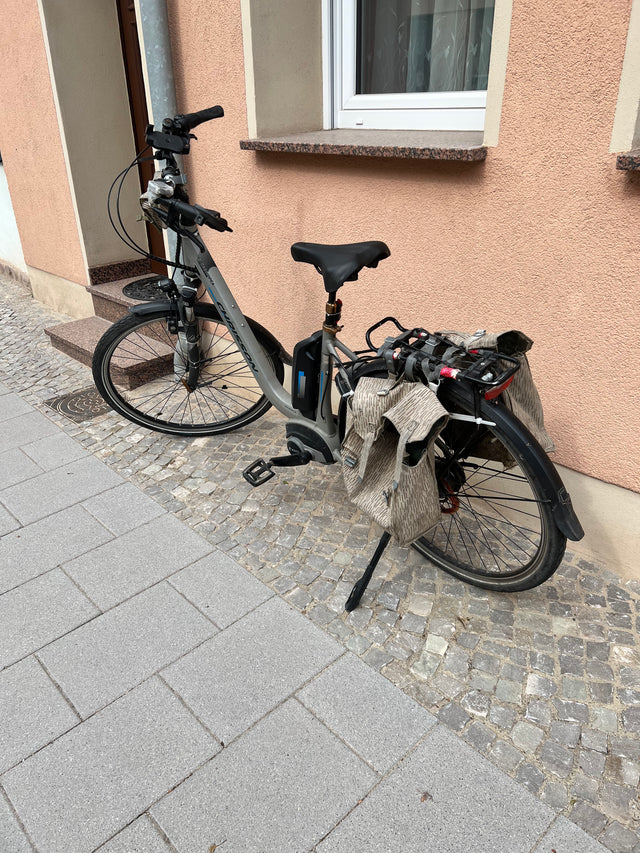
<point>122,232</point>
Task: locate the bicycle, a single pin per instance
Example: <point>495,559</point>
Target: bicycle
<point>208,369</point>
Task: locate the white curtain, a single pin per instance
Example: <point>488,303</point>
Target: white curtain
<point>423,45</point>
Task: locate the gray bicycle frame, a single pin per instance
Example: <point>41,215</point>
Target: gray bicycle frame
<point>324,424</point>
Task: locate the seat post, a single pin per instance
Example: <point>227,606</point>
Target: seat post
<point>333,312</point>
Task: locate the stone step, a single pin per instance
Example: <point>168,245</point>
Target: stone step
<point>110,302</point>
<point>78,339</point>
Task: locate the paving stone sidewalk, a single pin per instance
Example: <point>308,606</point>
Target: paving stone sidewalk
<point>542,687</point>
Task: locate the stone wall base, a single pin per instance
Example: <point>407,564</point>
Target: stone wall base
<point>60,294</point>
<point>610,516</point>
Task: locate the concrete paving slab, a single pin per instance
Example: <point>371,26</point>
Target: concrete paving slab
<point>38,612</point>
<point>15,466</point>
<point>136,560</point>
<point>141,836</point>
<point>4,389</point>
<point>100,661</point>
<point>78,792</point>
<point>32,710</point>
<point>12,405</point>
<point>24,430</point>
<point>278,789</point>
<point>377,720</point>
<point>221,588</point>
<point>12,838</point>
<point>41,546</point>
<point>7,522</point>
<point>55,490</point>
<point>54,450</point>
<point>445,798</point>
<point>245,671</point>
<point>123,508</point>
<point>565,837</point>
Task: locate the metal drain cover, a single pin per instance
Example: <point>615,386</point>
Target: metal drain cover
<point>144,289</point>
<point>79,405</point>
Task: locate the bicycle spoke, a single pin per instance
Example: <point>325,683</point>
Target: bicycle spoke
<point>506,521</point>
<point>494,524</point>
<point>496,528</point>
<point>154,360</point>
<point>457,523</point>
<point>488,501</point>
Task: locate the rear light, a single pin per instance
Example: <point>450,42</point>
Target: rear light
<point>495,392</point>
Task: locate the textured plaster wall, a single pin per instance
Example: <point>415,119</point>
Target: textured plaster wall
<point>31,147</point>
<point>542,237</point>
<point>86,55</point>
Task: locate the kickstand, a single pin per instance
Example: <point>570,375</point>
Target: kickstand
<point>359,587</point>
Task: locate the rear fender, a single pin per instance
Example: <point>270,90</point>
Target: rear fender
<point>543,468</point>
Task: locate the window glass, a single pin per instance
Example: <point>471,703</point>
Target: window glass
<point>422,45</point>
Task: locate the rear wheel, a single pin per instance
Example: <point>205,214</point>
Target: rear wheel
<point>497,529</point>
<point>141,368</point>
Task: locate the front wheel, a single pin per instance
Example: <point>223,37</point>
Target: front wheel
<point>496,529</point>
<point>142,369</point>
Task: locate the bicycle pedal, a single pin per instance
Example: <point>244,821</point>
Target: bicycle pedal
<point>258,472</point>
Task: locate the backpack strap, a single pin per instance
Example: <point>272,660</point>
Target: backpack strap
<point>405,436</point>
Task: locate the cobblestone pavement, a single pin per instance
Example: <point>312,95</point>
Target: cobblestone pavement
<point>546,683</point>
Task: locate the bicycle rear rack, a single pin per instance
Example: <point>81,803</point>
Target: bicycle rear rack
<point>418,354</point>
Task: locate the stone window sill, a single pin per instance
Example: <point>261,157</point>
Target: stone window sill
<point>463,146</point>
<point>629,161</point>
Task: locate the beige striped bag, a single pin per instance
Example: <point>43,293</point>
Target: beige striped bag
<point>521,397</point>
<point>388,457</point>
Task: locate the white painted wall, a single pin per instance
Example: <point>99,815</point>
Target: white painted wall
<point>10,247</point>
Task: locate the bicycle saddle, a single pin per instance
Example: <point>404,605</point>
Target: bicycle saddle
<point>338,264</point>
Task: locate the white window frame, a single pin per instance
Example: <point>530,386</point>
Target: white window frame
<point>406,111</point>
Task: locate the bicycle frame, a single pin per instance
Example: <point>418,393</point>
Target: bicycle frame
<point>312,431</point>
<point>324,424</point>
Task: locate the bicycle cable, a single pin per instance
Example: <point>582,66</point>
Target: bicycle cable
<point>122,232</point>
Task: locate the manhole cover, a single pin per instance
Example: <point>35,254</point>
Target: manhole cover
<point>79,405</point>
<point>145,289</point>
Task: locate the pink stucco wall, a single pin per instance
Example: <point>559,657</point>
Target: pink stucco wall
<point>542,237</point>
<point>31,147</point>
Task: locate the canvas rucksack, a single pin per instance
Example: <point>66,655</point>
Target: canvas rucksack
<point>388,456</point>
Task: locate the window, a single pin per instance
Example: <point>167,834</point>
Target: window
<point>411,64</point>
<point>289,52</point>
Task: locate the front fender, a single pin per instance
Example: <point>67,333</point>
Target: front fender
<point>164,305</point>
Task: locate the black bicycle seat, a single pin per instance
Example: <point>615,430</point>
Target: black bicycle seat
<point>338,264</point>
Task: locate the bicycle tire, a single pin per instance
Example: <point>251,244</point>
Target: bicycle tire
<point>138,367</point>
<point>488,539</point>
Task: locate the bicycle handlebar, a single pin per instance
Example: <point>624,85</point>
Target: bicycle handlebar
<point>192,214</point>
<point>188,121</point>
<point>175,136</point>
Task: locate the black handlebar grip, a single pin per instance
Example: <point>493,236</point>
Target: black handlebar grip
<point>193,214</point>
<point>188,121</point>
